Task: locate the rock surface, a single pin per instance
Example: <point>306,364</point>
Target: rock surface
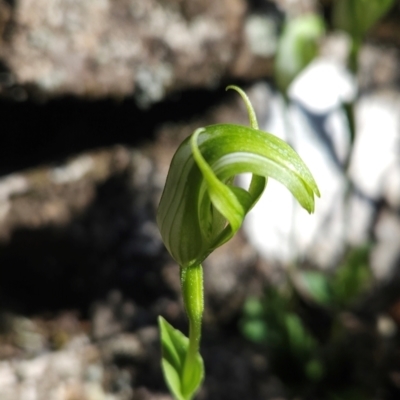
<point>117,48</point>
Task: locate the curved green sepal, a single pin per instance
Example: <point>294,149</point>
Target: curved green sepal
<point>199,209</point>
<point>174,347</point>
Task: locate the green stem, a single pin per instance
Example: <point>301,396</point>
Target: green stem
<point>354,54</point>
<point>193,298</point>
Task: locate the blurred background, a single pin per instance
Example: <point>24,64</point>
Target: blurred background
<point>96,96</point>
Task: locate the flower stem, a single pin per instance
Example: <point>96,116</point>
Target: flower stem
<point>193,298</point>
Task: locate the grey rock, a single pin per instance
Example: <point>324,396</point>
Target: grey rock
<point>113,316</point>
<point>124,345</point>
<point>385,256</point>
<point>116,48</point>
<point>296,7</point>
<point>28,336</point>
<point>376,146</point>
<point>378,66</point>
<point>261,34</point>
<point>58,375</point>
<point>392,185</point>
<point>53,195</point>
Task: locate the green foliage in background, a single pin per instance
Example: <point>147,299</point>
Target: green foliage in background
<point>278,321</point>
<point>272,321</point>
<point>297,47</point>
<point>351,278</point>
<point>357,17</point>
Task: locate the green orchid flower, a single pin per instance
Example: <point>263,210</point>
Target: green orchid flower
<point>201,209</point>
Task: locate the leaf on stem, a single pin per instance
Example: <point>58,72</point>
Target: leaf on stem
<point>174,347</point>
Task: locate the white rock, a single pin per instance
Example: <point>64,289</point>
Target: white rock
<point>323,86</point>
<point>278,227</point>
<point>317,128</point>
<point>391,189</point>
<point>7,376</point>
<point>386,254</point>
<point>73,171</point>
<point>12,185</point>
<point>377,140</point>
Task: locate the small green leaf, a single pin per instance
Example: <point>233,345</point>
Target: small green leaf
<point>315,285</point>
<point>255,330</point>
<point>191,384</point>
<point>300,341</point>
<point>314,370</point>
<point>353,277</point>
<point>253,308</point>
<point>174,346</point>
<point>297,47</point>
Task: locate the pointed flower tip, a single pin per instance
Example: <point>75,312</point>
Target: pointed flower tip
<point>315,193</point>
